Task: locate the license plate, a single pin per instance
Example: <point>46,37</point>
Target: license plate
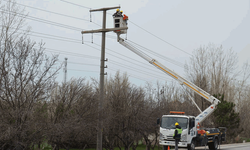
<point>172,143</point>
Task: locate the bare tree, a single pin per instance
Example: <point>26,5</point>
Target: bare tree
<point>242,96</point>
<point>213,69</point>
<point>26,78</point>
<point>73,114</point>
<point>123,106</point>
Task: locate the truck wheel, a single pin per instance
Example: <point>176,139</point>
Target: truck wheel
<point>213,145</point>
<point>191,146</point>
<point>165,147</point>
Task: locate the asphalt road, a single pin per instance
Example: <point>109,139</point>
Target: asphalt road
<point>238,146</point>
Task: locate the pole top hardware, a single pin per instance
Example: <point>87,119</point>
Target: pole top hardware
<point>104,9</point>
<point>104,30</point>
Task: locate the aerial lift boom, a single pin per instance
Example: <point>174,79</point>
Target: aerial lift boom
<point>192,134</point>
<point>203,115</point>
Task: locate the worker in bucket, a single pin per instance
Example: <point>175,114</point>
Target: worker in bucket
<point>177,135</point>
<point>116,13</point>
<point>120,14</point>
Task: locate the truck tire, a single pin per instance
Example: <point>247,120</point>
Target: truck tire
<point>165,147</point>
<point>191,146</point>
<point>213,145</point>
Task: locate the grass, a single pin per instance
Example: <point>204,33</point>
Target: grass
<point>46,146</point>
<point>246,139</point>
<point>139,147</point>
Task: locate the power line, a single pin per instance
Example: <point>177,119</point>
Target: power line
<point>76,4</point>
<point>158,55</point>
<point>112,62</point>
<point>70,62</point>
<point>140,71</point>
<point>43,20</point>
<point>50,35</point>
<point>134,60</point>
<point>85,41</point>
<point>62,38</point>
<point>174,62</point>
<point>83,70</point>
<point>131,68</point>
<point>79,5</point>
<point>156,77</point>
<point>159,38</point>
<point>53,12</point>
<point>140,28</point>
<point>135,69</point>
<point>132,75</point>
<point>70,53</point>
<point>124,66</point>
<point>78,41</point>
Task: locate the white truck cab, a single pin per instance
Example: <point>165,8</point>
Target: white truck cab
<point>167,128</point>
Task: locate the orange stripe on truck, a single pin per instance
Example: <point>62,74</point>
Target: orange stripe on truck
<point>195,90</point>
<point>165,70</point>
<point>177,78</point>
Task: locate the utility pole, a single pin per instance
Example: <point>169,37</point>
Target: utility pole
<point>65,70</point>
<point>102,67</point>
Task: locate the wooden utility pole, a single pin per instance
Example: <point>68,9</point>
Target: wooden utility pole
<point>65,70</point>
<point>102,67</point>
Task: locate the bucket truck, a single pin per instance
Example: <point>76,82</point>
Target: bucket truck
<point>192,135</point>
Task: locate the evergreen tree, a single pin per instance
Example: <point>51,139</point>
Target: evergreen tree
<point>225,116</point>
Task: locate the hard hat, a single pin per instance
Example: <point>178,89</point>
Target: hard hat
<point>117,9</point>
<point>121,11</point>
<point>176,124</point>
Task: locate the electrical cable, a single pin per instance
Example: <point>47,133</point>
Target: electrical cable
<point>70,62</point>
<point>132,75</point>
<point>70,41</point>
<point>140,71</point>
<point>134,60</point>
<point>43,20</point>
<point>83,70</point>
<point>159,38</point>
<point>75,4</point>
<point>52,12</point>
<point>52,22</point>
<point>133,42</point>
<point>124,66</point>
<point>158,55</point>
<point>70,53</point>
<point>135,69</point>
<point>79,42</point>
<point>140,28</point>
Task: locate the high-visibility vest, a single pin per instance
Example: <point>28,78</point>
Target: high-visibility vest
<point>179,131</point>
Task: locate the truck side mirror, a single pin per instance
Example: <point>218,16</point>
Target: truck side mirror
<point>158,121</point>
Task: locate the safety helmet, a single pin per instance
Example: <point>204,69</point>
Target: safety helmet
<point>176,124</point>
<point>117,9</point>
<point>121,11</point>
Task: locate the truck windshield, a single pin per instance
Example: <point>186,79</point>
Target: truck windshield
<point>169,122</point>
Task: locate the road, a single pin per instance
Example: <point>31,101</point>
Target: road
<point>238,146</point>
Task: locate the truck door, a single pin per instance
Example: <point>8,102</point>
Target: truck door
<point>191,129</point>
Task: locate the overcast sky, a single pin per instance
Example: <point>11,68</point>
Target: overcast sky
<point>170,28</point>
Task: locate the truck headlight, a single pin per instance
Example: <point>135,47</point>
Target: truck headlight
<point>184,137</point>
<point>161,136</point>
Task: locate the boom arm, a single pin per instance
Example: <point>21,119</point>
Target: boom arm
<point>203,115</point>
